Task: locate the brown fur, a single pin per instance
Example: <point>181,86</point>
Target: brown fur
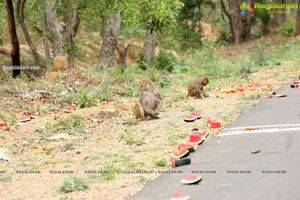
<point>59,64</point>
<point>195,88</point>
<point>150,102</point>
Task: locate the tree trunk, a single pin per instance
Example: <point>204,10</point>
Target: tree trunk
<point>45,36</point>
<point>235,15</point>
<point>247,23</point>
<point>149,47</point>
<point>199,24</point>
<point>297,29</point>
<point>110,40</point>
<point>122,51</point>
<point>15,52</point>
<point>224,10</point>
<point>20,17</point>
<point>57,29</point>
<point>70,34</point>
<point>279,18</point>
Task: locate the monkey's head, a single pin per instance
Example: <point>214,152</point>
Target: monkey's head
<point>204,81</point>
<point>146,85</point>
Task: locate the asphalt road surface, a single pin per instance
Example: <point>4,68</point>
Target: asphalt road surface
<point>227,165</point>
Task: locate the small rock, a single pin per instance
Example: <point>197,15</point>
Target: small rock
<point>4,154</point>
<point>256,151</point>
<point>63,136</point>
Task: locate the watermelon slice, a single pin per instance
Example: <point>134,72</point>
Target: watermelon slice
<point>2,124</point>
<point>215,124</point>
<point>294,85</point>
<point>189,147</point>
<point>175,162</point>
<point>190,118</point>
<point>196,139</point>
<point>24,118</point>
<point>191,179</point>
<point>182,153</point>
<point>209,121</point>
<point>70,108</point>
<point>197,115</point>
<point>33,115</point>
<point>201,132</point>
<point>179,196</point>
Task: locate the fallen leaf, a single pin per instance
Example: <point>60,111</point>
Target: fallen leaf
<point>249,129</point>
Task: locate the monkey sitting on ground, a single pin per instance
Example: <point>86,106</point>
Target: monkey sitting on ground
<point>195,88</point>
<point>150,102</point>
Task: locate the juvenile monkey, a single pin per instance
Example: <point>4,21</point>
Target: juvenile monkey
<point>195,88</point>
<point>150,102</point>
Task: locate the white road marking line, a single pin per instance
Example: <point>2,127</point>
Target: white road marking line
<point>270,129</point>
<point>264,126</point>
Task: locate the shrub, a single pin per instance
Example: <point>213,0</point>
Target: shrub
<point>287,29</point>
<point>164,61</point>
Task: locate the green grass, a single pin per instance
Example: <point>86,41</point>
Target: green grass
<point>71,184</point>
<point>71,125</point>
<point>131,138</point>
<point>160,162</point>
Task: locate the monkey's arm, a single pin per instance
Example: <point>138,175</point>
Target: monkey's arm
<point>202,93</point>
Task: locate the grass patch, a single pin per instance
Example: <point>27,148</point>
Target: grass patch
<point>160,162</point>
<point>72,125</point>
<point>131,138</point>
<point>71,184</point>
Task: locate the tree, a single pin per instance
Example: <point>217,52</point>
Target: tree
<point>247,21</point>
<point>279,17</point>
<point>119,10</point>
<point>158,14</point>
<point>20,16</point>
<point>71,32</point>
<point>190,18</point>
<point>264,17</point>
<point>110,40</point>
<point>224,10</point>
<point>240,25</point>
<point>45,35</point>
<point>297,29</point>
<point>15,51</point>
<point>57,29</point>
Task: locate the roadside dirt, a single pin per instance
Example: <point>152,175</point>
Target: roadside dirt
<point>109,142</point>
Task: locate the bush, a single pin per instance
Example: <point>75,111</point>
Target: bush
<point>164,61</point>
<point>287,29</point>
<point>88,96</point>
<point>170,42</point>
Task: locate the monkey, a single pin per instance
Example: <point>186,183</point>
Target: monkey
<point>150,102</point>
<point>195,88</point>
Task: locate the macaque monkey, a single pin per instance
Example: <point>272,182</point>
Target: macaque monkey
<point>195,88</point>
<point>150,102</point>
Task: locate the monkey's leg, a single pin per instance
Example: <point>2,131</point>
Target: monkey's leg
<point>139,111</point>
<point>159,104</point>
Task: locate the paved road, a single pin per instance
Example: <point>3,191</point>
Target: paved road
<point>231,171</point>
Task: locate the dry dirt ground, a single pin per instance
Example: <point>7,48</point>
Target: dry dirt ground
<point>108,139</point>
<point>112,144</point>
